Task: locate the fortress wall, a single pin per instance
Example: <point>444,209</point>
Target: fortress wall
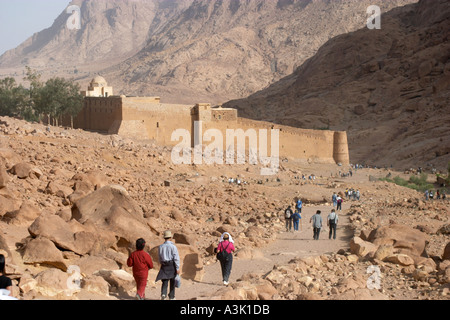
<point>98,114</point>
<point>147,118</point>
<point>158,120</point>
<point>316,145</point>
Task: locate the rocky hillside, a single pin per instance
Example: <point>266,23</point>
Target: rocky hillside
<point>388,88</point>
<point>189,51</point>
<point>73,203</point>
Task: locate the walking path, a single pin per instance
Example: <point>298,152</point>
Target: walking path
<point>286,247</point>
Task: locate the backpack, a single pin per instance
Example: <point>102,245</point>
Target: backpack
<point>223,255</point>
<point>288,213</point>
<point>333,221</point>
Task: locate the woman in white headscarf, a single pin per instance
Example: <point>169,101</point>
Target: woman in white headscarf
<point>225,256</point>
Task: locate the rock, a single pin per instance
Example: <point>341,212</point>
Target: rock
<point>190,260</point>
<point>90,265</point>
<point>22,170</point>
<point>120,280</point>
<point>43,251</point>
<point>446,255</point>
<point>360,294</point>
<point>25,215</point>
<point>95,180</point>
<point>400,259</point>
<point>4,178</point>
<point>111,208</point>
<point>362,248</point>
<point>419,275</point>
<point>404,239</point>
<point>445,229</point>
<point>53,283</point>
<point>8,204</point>
<point>58,188</point>
<point>68,236</point>
<point>184,238</point>
<point>27,283</point>
<point>383,251</point>
<point>96,284</point>
<point>53,228</point>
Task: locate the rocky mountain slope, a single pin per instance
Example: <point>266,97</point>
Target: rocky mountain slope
<point>388,88</point>
<point>189,51</point>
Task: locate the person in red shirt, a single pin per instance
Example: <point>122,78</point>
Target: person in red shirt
<point>141,263</point>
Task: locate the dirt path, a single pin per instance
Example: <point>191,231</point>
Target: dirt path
<point>286,247</point>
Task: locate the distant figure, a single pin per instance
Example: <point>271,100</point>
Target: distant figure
<point>334,199</point>
<point>225,251</point>
<point>288,218</point>
<point>296,219</point>
<point>299,205</point>
<point>332,222</point>
<point>339,203</point>
<point>427,195</point>
<point>317,224</point>
<point>5,282</point>
<point>141,263</point>
<point>170,266</point>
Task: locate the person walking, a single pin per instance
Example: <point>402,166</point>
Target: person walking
<point>299,205</point>
<point>141,263</point>
<point>170,266</point>
<point>296,218</point>
<point>339,203</point>
<point>225,251</point>
<point>288,218</point>
<point>332,222</point>
<point>316,224</point>
<point>334,199</point>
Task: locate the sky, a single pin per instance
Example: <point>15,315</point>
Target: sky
<point>20,19</point>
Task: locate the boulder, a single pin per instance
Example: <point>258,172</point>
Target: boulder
<point>43,251</point>
<point>92,180</point>
<point>53,283</point>
<point>69,236</point>
<point>119,280</point>
<point>403,238</point>
<point>55,229</point>
<point>58,189</point>
<point>90,265</point>
<point>111,208</point>
<point>27,213</point>
<point>22,170</point>
<point>96,284</point>
<point>400,259</point>
<point>362,248</point>
<point>8,204</point>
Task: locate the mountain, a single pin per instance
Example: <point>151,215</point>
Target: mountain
<point>187,51</point>
<point>389,88</point>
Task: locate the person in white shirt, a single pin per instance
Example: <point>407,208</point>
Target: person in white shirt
<point>332,222</point>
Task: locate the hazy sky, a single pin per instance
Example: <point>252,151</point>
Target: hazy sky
<point>20,19</point>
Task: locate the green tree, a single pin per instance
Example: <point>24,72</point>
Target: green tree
<point>58,97</point>
<point>14,99</point>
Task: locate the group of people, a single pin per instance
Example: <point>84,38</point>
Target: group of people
<point>430,195</point>
<point>169,259</point>
<point>294,218</point>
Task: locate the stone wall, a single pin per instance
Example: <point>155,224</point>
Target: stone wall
<point>147,118</point>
